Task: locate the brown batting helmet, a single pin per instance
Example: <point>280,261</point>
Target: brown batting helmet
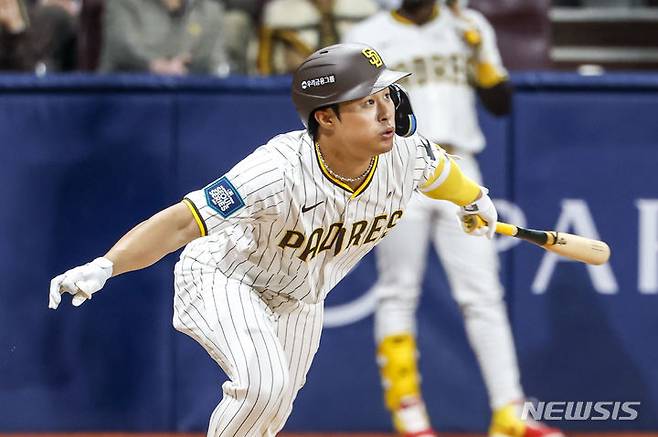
<point>339,73</point>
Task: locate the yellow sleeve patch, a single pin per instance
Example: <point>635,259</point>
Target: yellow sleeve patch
<point>450,183</point>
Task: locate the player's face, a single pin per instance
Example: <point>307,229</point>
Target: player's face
<point>368,124</point>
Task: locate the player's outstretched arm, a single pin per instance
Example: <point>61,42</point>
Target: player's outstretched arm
<point>449,183</point>
<point>142,246</point>
<point>148,242</point>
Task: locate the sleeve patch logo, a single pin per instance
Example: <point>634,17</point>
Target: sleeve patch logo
<point>222,196</point>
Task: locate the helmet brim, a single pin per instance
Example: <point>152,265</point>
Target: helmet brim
<point>388,78</point>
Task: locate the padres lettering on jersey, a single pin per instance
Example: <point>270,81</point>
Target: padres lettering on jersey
<point>433,69</point>
<point>279,224</point>
<point>334,237</point>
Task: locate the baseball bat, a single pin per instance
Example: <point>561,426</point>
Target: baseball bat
<point>571,246</point>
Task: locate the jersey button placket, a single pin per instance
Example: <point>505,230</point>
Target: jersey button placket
<point>349,212</point>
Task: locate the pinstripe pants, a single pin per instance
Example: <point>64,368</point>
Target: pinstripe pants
<point>265,352</point>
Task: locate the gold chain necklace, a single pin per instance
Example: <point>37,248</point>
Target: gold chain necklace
<point>339,177</point>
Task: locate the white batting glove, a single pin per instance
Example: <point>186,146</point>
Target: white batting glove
<point>81,282</point>
<point>485,210</point>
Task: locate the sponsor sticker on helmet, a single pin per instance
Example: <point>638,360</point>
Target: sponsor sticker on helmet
<point>373,57</point>
<point>324,80</point>
<point>222,196</point>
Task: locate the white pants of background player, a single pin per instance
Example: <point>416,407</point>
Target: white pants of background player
<point>265,351</point>
<point>471,265</point>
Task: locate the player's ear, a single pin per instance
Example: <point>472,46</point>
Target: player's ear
<point>325,117</point>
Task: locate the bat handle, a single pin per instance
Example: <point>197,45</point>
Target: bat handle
<point>506,229</point>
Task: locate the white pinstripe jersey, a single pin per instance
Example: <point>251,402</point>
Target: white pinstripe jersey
<point>440,87</point>
<point>282,225</point>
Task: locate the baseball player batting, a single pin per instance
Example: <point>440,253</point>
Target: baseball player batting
<point>453,55</point>
<point>267,241</point>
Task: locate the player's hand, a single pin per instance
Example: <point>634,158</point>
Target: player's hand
<point>483,208</point>
<point>81,282</point>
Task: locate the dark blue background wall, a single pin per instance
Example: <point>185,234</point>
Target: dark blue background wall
<point>85,158</point>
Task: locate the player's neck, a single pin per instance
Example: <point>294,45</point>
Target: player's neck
<point>344,164</point>
<point>419,15</point>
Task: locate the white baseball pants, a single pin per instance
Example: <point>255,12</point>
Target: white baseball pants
<point>471,265</point>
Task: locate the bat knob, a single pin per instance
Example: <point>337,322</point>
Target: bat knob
<point>472,222</point>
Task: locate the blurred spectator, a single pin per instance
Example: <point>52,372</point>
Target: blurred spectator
<point>170,37</point>
<point>38,36</point>
<point>239,24</point>
<point>293,29</point>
